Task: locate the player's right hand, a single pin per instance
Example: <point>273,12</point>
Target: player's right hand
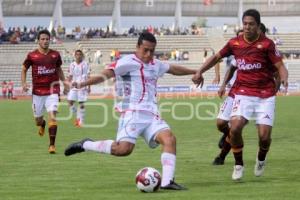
<point>198,79</point>
<point>25,87</point>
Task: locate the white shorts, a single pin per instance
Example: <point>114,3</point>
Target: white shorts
<point>225,109</point>
<point>140,123</point>
<point>260,109</point>
<point>77,95</point>
<point>40,103</point>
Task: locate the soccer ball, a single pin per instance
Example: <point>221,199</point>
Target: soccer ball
<point>148,179</point>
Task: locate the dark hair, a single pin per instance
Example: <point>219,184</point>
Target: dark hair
<point>146,36</point>
<point>252,13</point>
<point>262,28</point>
<point>45,31</point>
<point>78,50</point>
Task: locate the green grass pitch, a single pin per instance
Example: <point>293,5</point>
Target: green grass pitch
<point>27,171</point>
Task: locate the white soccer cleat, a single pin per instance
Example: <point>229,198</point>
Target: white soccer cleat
<point>238,171</point>
<point>259,167</point>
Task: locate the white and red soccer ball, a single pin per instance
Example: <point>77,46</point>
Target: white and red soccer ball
<point>148,179</point>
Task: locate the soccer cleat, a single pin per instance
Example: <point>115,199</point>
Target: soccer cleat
<point>76,147</point>
<point>218,161</point>
<point>221,141</point>
<point>173,186</point>
<point>259,167</point>
<point>77,123</point>
<point>238,171</point>
<point>51,149</point>
<point>41,130</point>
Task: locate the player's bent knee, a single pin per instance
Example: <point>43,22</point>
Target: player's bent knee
<point>122,149</point>
<point>166,138</point>
<point>221,124</point>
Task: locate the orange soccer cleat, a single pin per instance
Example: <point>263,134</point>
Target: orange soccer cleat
<point>41,131</point>
<point>51,149</point>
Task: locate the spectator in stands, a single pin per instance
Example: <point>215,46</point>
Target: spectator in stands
<point>97,56</point>
<point>4,89</point>
<point>10,87</point>
<point>177,55</point>
<point>274,30</point>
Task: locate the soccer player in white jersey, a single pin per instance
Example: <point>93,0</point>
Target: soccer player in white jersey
<point>79,71</point>
<point>136,79</point>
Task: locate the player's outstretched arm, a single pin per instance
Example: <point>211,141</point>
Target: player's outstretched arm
<point>103,76</point>
<point>180,70</point>
<point>283,74</point>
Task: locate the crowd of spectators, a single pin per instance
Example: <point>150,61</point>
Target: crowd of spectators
<point>15,35</point>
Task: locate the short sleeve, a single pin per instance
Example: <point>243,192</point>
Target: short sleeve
<point>27,62</point>
<point>126,65</point>
<point>163,68</point>
<point>273,53</point>
<point>226,50</point>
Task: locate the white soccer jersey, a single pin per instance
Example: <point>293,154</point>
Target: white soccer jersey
<point>232,63</point>
<point>79,72</point>
<point>136,83</point>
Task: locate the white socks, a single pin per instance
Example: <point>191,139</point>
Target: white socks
<point>81,115</point>
<point>168,162</point>
<point>102,146</point>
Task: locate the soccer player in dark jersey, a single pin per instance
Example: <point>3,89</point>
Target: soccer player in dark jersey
<point>256,57</point>
<point>223,118</point>
<point>46,73</point>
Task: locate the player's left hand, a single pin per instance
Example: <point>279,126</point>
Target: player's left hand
<point>285,84</point>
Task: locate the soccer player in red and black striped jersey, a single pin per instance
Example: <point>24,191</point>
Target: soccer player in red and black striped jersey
<point>257,59</point>
<point>46,69</point>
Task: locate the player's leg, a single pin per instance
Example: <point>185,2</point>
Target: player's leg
<point>129,130</point>
<point>82,98</point>
<point>242,111</point>
<point>41,123</point>
<point>264,134</point>
<point>264,121</point>
<point>237,144</point>
<point>158,132</point>
<point>38,107</point>
<point>223,126</point>
<point>225,141</point>
<point>81,114</point>
<point>223,119</point>
<point>51,105</point>
<point>72,97</point>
